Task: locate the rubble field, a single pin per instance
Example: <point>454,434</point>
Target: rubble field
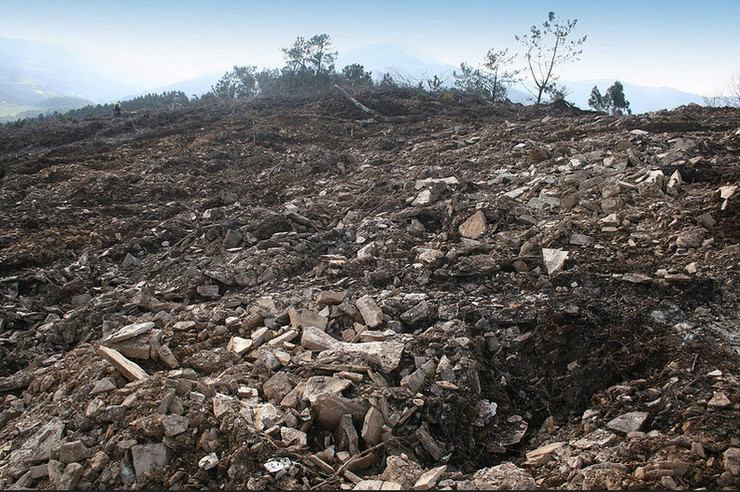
<point>287,295</point>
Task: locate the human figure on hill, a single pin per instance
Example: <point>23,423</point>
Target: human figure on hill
<point>117,109</point>
<point>176,102</point>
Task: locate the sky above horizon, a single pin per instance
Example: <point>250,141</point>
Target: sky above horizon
<point>688,45</point>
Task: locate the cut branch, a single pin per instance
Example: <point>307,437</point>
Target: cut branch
<point>359,105</point>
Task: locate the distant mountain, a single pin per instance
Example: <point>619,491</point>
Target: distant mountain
<point>642,99</point>
<point>404,64</point>
<point>31,72</point>
<point>198,86</point>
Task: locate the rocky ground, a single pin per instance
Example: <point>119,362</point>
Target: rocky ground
<point>286,295</point>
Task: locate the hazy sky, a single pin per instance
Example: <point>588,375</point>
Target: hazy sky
<point>689,45</point>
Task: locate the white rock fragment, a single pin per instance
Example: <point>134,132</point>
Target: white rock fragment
<point>208,462</point>
<point>554,259</point>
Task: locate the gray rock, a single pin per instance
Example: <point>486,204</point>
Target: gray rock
<point>629,422</point>
<point>147,457</point>
<point>731,459</point>
<point>64,478</point>
<point>506,476</point>
<point>175,424</point>
<point>72,452</point>
<point>103,386</point>
<point>370,311</point>
<point>207,290</point>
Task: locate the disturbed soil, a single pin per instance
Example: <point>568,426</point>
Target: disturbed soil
<point>285,294</point>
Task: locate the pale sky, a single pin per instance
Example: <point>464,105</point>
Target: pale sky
<point>688,45</point>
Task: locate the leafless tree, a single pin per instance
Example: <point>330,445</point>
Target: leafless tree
<point>548,47</point>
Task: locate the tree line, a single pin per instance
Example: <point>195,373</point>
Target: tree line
<point>310,67</point>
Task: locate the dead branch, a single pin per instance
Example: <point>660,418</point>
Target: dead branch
<point>359,105</point>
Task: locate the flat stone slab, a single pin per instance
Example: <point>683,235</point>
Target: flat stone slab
<point>629,422</point>
<point>130,370</point>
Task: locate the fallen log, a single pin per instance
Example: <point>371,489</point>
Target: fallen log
<point>359,105</point>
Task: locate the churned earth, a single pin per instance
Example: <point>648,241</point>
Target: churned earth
<point>292,294</point>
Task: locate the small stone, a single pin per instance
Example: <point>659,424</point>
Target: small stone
<point>429,479</point>
<point>64,478</point>
<point>377,485</point>
<point>582,240</point>
<point>424,197</point>
<point>208,462</point>
<point>232,239</point>
<point>346,435</point>
<point>130,370</point>
<point>128,332</point>
<point>554,259</point>
<point>98,461</point>
<point>369,311</point>
<point>689,239</point>
<point>537,155</point>
<point>416,379</point>
<point>629,422</point>
<point>719,400</point>
<point>239,345</point>
<point>372,427</point>
<point>611,220</point>
<point>321,385</point>
<point>731,460</point>
<point>669,483</point>
<point>330,297</point>
<point>428,255</point>
<point>207,290</point>
<point>103,386</point>
<point>130,260</point>
<point>147,457</point>
<point>307,318</point>
<point>175,424</point>
<point>315,339</point>
<point>222,404</point>
<point>475,226</point>
<point>165,355</point>
<point>367,252</point>
<point>504,476</point>
<point>292,436</point>
<point>277,387</point>
<point>543,454</point>
<point>72,452</point>
<point>599,438</point>
<point>706,221</point>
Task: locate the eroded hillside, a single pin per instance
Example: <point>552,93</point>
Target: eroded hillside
<point>286,295</point>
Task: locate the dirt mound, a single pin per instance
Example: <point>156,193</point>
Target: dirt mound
<point>292,294</point>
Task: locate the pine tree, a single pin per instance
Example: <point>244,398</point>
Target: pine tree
<point>596,100</point>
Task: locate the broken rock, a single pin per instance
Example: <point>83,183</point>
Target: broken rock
<point>475,226</point>
<point>554,259</point>
<point>629,422</point>
<point>147,457</point>
<point>370,311</point>
<point>506,476</point>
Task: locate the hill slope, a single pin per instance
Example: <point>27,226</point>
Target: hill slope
<point>286,295</point>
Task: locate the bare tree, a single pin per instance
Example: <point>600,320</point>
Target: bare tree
<point>496,63</point>
<point>727,96</point>
<point>547,48</point>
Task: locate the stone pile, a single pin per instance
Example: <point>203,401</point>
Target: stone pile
<point>531,298</point>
